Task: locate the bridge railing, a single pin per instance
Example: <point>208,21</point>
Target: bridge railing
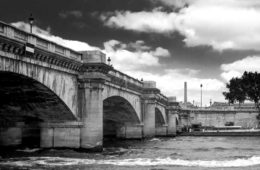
<point>163,98</point>
<point>126,81</point>
<point>21,36</point>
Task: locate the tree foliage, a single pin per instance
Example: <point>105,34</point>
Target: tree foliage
<point>245,88</point>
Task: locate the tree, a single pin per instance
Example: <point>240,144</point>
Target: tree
<point>251,85</point>
<point>236,91</point>
<point>245,88</point>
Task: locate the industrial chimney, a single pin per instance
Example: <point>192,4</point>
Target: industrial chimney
<point>185,93</point>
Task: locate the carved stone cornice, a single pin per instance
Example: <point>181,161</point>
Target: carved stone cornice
<point>95,67</point>
<point>92,84</point>
<point>151,91</point>
<point>11,47</point>
<point>18,48</point>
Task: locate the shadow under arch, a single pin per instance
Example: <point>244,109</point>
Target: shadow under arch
<point>23,99</point>
<point>117,112</point>
<point>159,120</point>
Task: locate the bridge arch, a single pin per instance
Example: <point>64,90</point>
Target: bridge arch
<point>160,121</point>
<point>159,118</point>
<point>63,84</point>
<point>25,103</point>
<point>160,115</point>
<point>23,99</point>
<point>117,113</point>
<point>133,99</point>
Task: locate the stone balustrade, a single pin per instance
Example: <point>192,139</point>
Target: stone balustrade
<point>126,81</point>
<point>21,36</point>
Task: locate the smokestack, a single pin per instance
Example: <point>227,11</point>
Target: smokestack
<point>185,92</point>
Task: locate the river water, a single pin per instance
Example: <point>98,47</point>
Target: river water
<point>180,153</point>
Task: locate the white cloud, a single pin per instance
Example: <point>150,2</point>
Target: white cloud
<point>140,56</point>
<point>159,51</point>
<point>222,24</point>
<point>155,21</point>
<point>237,68</point>
<point>172,81</point>
<point>230,74</point>
<point>72,44</point>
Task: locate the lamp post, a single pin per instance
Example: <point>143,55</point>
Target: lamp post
<point>108,61</point>
<point>31,20</point>
<point>201,95</point>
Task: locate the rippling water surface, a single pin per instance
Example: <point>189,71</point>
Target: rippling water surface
<point>157,153</point>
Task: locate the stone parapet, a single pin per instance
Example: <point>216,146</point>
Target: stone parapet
<point>24,37</point>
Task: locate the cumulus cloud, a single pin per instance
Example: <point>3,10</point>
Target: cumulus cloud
<point>222,24</point>
<point>237,68</point>
<point>161,52</point>
<point>46,34</point>
<point>155,21</point>
<point>133,55</point>
<point>171,82</point>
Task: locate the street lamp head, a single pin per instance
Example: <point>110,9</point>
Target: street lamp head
<point>200,85</point>
<point>31,19</point>
<point>108,60</point>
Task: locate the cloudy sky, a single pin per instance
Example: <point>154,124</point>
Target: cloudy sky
<point>169,41</point>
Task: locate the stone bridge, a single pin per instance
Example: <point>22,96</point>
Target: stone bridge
<point>52,96</point>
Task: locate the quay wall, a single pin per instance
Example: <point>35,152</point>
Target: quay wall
<point>245,119</point>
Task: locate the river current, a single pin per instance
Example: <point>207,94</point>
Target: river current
<point>180,153</point>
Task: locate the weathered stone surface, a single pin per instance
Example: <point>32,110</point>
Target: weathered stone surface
<point>149,120</point>
<point>161,131</point>
<point>133,131</point>
<point>11,136</point>
<point>61,84</point>
<point>92,117</point>
<point>47,137</point>
<point>130,131</point>
<point>24,99</point>
<point>171,129</point>
<point>67,137</point>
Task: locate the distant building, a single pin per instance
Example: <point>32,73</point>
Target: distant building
<point>236,106</point>
<point>187,105</point>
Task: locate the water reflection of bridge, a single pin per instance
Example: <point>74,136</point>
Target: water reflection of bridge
<point>53,96</point>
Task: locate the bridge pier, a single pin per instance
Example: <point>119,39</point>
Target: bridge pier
<point>91,134</point>
<point>11,136</point>
<point>91,83</point>
<point>161,130</point>
<point>58,135</point>
<point>173,108</point>
<point>172,123</point>
<point>130,131</point>
<point>149,119</point>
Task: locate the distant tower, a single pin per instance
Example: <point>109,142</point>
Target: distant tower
<point>185,93</point>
